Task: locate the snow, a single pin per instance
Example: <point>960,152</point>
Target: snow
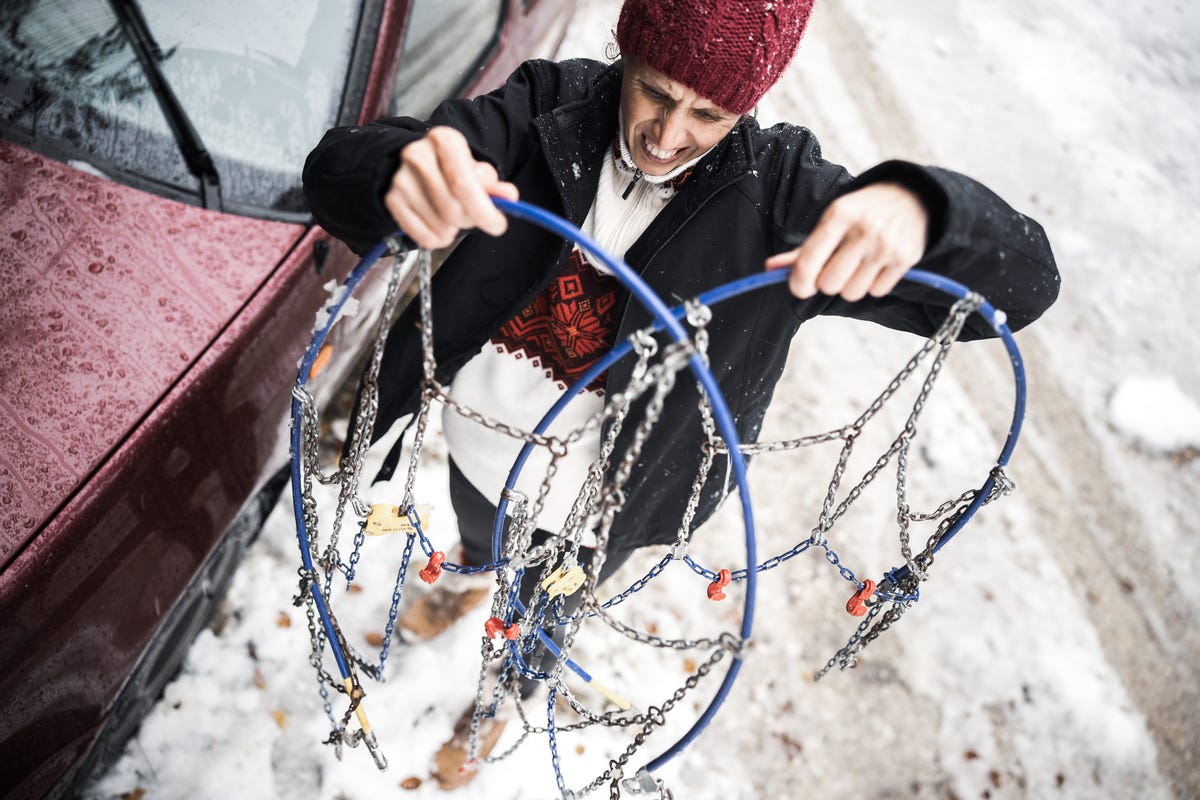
<point>1156,413</point>
<point>1053,652</point>
<point>337,296</point>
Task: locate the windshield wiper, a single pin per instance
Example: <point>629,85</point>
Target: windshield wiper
<point>195,155</point>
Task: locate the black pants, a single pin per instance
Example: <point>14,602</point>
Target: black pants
<point>476,517</point>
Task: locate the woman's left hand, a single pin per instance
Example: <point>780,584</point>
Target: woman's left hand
<point>863,244</point>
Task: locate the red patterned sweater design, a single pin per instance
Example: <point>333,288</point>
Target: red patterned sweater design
<point>568,327</point>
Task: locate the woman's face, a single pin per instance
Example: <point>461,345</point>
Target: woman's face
<point>666,123</point>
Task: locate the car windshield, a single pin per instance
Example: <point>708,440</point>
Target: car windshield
<point>260,80</point>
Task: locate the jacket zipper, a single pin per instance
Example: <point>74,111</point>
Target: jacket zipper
<point>674,233</point>
<point>652,256</point>
<point>637,176</point>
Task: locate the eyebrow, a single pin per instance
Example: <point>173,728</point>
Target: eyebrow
<point>716,111</point>
<point>650,87</point>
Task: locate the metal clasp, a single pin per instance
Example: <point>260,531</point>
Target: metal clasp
<point>643,784</point>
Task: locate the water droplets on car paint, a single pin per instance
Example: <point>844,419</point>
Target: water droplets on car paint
<point>182,281</point>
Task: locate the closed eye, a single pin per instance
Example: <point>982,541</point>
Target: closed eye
<point>709,116</point>
<point>655,95</point>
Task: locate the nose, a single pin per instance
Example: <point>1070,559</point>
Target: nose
<point>672,130</point>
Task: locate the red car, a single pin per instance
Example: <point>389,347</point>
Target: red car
<point>159,280</point>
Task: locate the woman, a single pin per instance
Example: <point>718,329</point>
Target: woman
<point>658,158</point>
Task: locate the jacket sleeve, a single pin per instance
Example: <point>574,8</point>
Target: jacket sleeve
<point>347,175</point>
<point>975,238</point>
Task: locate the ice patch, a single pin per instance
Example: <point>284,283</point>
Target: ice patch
<point>1156,413</point>
<point>336,293</point>
<point>88,167</point>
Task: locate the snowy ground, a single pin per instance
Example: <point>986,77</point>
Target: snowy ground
<point>1053,653</point>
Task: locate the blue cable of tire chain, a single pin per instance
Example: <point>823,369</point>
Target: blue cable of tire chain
<point>660,311</point>
<point>302,534</point>
<point>306,364</point>
<point>770,278</point>
<point>751,283</point>
<point>667,321</point>
<point>990,314</point>
<point>711,298</point>
<point>721,416</point>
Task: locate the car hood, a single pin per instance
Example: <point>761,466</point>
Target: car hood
<point>107,296</point>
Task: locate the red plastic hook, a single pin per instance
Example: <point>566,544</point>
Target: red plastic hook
<point>714,588</point>
<point>857,604</point>
<point>495,625</point>
<point>434,570</point>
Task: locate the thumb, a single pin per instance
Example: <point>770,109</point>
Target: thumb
<point>486,174</point>
<point>505,190</point>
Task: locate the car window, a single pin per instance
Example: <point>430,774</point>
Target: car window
<point>445,42</point>
<point>261,82</point>
<point>71,79</point>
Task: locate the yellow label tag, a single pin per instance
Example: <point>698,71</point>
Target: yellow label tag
<point>385,519</point>
<point>564,580</point>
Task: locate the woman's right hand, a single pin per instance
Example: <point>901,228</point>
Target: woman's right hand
<point>440,189</point>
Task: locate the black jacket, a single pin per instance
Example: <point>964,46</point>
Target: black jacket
<point>756,193</point>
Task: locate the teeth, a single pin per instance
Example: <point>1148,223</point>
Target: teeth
<point>659,154</point>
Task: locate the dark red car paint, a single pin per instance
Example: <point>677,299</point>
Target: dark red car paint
<point>149,349</point>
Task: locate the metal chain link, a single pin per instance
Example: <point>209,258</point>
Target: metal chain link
<point>597,505</point>
<point>699,316</point>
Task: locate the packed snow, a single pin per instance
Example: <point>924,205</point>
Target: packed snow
<point>1155,412</point>
<point>1053,652</point>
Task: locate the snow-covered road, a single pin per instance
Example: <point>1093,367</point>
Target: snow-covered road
<point>1054,652</point>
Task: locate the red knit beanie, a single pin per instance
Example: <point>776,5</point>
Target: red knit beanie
<point>730,51</point>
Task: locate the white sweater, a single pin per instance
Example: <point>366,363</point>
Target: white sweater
<point>522,372</point>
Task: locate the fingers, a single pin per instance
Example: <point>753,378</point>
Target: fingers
<point>504,189</point>
<point>815,253</point>
<point>887,280</point>
<point>410,207</point>
<point>466,181</point>
<point>846,266</point>
<point>494,187</point>
<point>440,190</point>
<point>852,271</point>
<point>421,185</point>
<point>863,244</point>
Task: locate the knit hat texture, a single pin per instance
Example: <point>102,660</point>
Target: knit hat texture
<point>729,51</point>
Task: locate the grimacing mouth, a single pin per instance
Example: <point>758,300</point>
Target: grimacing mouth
<point>657,157</point>
<point>659,153</point>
